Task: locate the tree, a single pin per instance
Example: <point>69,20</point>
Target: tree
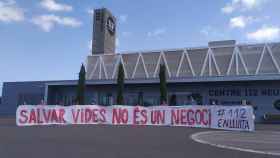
<point>163,87</point>
<point>120,85</point>
<point>81,86</point>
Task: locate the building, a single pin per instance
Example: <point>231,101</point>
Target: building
<point>222,73</point>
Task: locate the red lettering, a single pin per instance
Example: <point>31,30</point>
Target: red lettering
<point>190,117</point>
<point>88,115</point>
<point>54,116</point>
<point>120,116</point>
<point>209,115</point>
<point>61,116</point>
<point>38,116</point>
<point>144,115</point>
<point>158,117</point>
<point>175,117</point>
<point>205,120</point>
<point>198,116</point>
<point>47,115</point>
<point>94,115</point>
<point>75,115</point>
<point>23,115</point>
<point>102,113</point>
<point>183,116</point>
<point>82,115</point>
<point>135,116</point>
<point>32,117</point>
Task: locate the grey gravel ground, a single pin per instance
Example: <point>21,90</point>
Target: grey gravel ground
<point>100,141</point>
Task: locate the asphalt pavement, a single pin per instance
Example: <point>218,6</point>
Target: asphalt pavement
<point>106,141</point>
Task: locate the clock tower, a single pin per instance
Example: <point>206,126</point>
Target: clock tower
<point>104,32</point>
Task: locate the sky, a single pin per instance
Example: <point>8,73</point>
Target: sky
<point>50,39</point>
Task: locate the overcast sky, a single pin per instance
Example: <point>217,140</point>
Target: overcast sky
<point>49,39</point>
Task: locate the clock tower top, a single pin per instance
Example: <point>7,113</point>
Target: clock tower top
<point>104,32</point>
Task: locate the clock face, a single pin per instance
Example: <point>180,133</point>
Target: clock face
<point>111,25</point>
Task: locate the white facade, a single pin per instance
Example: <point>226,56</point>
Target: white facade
<point>221,60</point>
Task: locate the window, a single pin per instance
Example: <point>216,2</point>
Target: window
<point>105,99</point>
<point>276,104</point>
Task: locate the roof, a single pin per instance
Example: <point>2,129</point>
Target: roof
<point>216,61</point>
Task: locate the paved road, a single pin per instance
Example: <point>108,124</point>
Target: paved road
<point>264,142</point>
<point>108,142</point>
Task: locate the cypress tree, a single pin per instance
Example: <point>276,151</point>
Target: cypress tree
<point>120,85</point>
<point>81,86</point>
<point>163,87</point>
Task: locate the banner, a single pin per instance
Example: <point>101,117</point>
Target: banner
<point>218,117</point>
